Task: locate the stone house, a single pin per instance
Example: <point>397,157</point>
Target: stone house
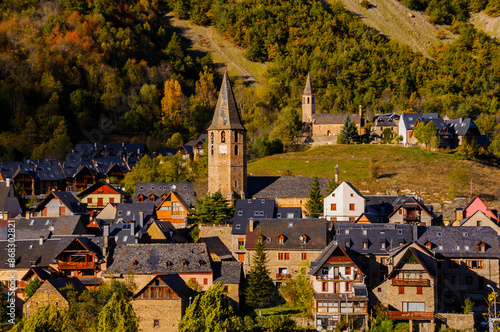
<point>369,246</point>
<point>161,303</point>
<point>52,292</point>
<point>382,122</point>
<point>409,292</point>
<point>289,243</point>
<point>345,203</point>
<point>467,261</point>
<point>217,249</point>
<point>339,289</point>
<point>478,218</point>
<point>413,211</point>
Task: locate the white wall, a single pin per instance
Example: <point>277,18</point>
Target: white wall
<point>343,196</point>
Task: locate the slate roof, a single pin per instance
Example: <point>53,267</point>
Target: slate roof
<point>410,118</point>
<point>127,212</point>
<point>227,272</point>
<point>67,199</point>
<point>31,251</point>
<point>451,242</point>
<point>308,90</point>
<point>183,189</point>
<point>245,209</point>
<point>325,255</point>
<point>226,115</point>
<point>60,283</point>
<point>273,187</point>
<point>33,228</point>
<point>288,211</point>
<point>215,244</point>
<point>315,230</point>
<point>450,211</point>
<point>386,120</point>
<point>461,126</point>
<point>160,258</point>
<point>8,200</point>
<point>166,151</point>
<point>174,281</point>
<point>356,234</point>
<point>334,118</point>
<point>127,233</point>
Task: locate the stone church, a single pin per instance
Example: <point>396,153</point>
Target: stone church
<point>323,128</point>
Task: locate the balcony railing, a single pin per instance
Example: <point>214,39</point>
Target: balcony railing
<point>280,276</point>
<point>337,277</point>
<point>410,282</point>
<point>76,265</point>
<point>417,315</point>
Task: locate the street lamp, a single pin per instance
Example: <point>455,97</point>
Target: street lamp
<point>495,300</point>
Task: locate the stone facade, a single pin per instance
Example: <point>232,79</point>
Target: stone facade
<point>159,315</point>
<point>45,295</point>
<point>462,322</point>
<point>221,231</point>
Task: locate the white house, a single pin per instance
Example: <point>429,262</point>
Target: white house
<point>407,121</point>
<point>344,204</point>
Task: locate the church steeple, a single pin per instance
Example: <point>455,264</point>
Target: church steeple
<point>308,101</point>
<point>227,164</point>
<point>226,114</point>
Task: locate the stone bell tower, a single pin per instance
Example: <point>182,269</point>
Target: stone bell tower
<point>227,163</point>
<point>308,101</point>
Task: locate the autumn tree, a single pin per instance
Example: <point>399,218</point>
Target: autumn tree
<point>117,315</point>
<point>424,132</point>
<point>298,291</point>
<point>171,104</point>
<point>210,311</point>
<point>260,288</point>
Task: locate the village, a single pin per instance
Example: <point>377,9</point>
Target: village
<point>420,264</point>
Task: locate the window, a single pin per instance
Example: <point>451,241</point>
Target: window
<point>384,261</point>
<point>401,289</point>
<point>352,195</point>
<point>419,290</point>
<point>439,234</point>
<point>156,323</point>
<point>281,239</point>
<point>466,248</point>
<point>111,200</point>
<point>400,211</point>
<point>89,200</point>
<point>236,137</point>
<point>348,287</point>
<point>283,256</point>
<point>466,234</point>
<point>223,137</point>
<point>348,270</point>
<point>241,243</point>
<point>236,150</point>
<point>304,256</point>
<point>333,207</point>
<point>379,289</point>
<point>347,244</point>
<point>474,264</point>
<point>365,232</point>
<point>241,257</point>
<point>413,306</point>
<point>481,247</point>
<point>205,281</point>
<point>479,223</point>
<point>240,213</point>
<point>365,245</point>
<point>351,207</point>
<point>346,232</point>
<point>352,219</point>
<point>324,287</point>
<point>212,138</point>
<point>382,245</point>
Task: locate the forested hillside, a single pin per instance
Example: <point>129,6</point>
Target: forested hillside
<point>69,66</point>
<point>70,69</point>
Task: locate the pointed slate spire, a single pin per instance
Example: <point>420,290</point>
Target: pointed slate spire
<point>226,114</point>
<point>308,89</point>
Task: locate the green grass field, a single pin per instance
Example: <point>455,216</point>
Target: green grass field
<point>401,170</point>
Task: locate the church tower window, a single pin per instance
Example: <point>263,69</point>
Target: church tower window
<point>223,137</point>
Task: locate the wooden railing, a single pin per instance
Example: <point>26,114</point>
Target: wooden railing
<point>418,315</point>
<point>338,277</point>
<point>410,282</point>
<point>76,265</point>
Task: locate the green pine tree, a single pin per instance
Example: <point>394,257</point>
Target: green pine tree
<point>314,204</point>
<point>213,209</point>
<point>260,288</point>
<point>31,287</point>
<point>330,187</point>
<point>348,132</point>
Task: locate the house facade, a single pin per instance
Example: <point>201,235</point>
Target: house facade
<point>345,203</point>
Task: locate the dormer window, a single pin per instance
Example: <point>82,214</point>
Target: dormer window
<point>382,245</point>
<point>168,263</point>
<point>439,234</point>
<point>184,263</point>
<point>365,245</point>
<point>240,213</point>
<point>466,234</point>
<point>281,239</point>
<point>428,245</point>
<point>135,262</point>
<point>202,263</point>
<point>481,247</point>
<point>303,239</point>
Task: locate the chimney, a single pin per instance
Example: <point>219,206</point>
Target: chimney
<point>132,229</point>
<point>105,233</point>
<point>7,182</point>
<point>40,240</point>
<point>6,215</point>
<point>415,232</point>
<point>141,218</point>
<point>336,173</point>
<point>360,112</point>
<point>136,239</point>
<point>460,214</point>
<point>250,225</point>
<point>28,214</point>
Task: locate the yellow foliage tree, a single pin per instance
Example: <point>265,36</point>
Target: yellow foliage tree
<point>171,104</point>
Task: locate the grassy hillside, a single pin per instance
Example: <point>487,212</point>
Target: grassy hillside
<point>402,170</point>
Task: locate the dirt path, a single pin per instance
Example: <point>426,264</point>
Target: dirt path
<point>201,40</point>
<point>398,23</point>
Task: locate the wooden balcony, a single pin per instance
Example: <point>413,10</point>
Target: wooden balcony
<point>338,277</point>
<point>407,315</point>
<point>76,265</point>
<point>281,276</point>
<point>411,282</point>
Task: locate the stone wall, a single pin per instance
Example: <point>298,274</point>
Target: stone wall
<point>42,298</point>
<point>222,231</point>
<point>463,322</point>
<point>167,313</point>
